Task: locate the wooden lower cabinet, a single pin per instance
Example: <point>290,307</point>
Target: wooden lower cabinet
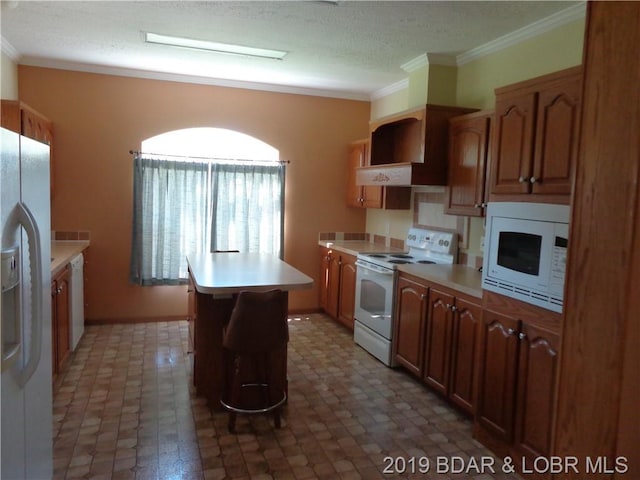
<point>338,285</point>
<point>60,320</point>
<point>497,377</point>
<point>517,382</point>
<point>347,296</point>
<point>436,338</point>
<point>410,315</point>
<point>453,327</point>
<point>536,391</point>
<point>467,322</point>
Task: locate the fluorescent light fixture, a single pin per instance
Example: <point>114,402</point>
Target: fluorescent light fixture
<point>213,46</point>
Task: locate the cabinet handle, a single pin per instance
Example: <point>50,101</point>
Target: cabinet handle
<point>533,179</point>
<point>522,179</point>
<point>477,205</point>
<point>522,335</point>
<point>423,297</point>
<point>454,308</point>
<point>511,331</point>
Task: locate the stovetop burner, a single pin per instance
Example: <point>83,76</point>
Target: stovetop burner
<point>401,256</point>
<point>398,262</point>
<point>426,262</point>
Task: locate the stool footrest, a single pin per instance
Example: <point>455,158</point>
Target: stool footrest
<point>254,410</point>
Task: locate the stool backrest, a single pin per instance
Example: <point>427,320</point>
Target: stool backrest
<point>258,322</point>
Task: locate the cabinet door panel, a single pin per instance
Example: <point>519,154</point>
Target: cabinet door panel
<point>464,350</point>
<point>468,143</point>
<point>557,135</point>
<point>325,259</point>
<point>356,158</point>
<point>347,290</point>
<point>513,143</point>
<point>333,289</point>
<point>409,329</point>
<point>499,350</point>
<point>63,348</point>
<point>536,393</point>
<point>438,341</point>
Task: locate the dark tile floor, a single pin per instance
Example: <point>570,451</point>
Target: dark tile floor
<point>125,408</point>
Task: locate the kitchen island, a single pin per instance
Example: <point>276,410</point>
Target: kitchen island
<point>215,279</point>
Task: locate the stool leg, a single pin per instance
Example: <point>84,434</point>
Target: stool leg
<point>234,398</point>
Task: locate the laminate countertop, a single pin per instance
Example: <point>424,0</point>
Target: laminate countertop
<point>227,273</point>
<point>457,277</point>
<point>63,251</point>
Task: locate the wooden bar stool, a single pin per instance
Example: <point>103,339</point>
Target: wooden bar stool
<point>257,333</point>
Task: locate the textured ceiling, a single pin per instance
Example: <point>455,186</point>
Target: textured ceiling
<point>351,48</point>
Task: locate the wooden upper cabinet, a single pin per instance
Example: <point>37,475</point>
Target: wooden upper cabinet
<point>19,117</point>
<point>557,129</point>
<point>468,159</point>
<point>536,136</point>
<point>513,143</point>
<point>371,196</point>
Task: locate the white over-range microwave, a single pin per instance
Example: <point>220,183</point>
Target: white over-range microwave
<point>526,252</point>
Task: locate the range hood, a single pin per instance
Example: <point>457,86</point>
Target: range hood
<point>409,148</point>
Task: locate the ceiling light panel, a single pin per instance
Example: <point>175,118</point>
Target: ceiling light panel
<point>216,47</point>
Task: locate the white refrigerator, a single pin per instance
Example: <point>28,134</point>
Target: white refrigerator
<point>26,396</point>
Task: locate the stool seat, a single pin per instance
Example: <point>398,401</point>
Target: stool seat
<point>257,331</point>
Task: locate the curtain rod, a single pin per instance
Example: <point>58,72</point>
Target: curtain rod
<point>137,153</point>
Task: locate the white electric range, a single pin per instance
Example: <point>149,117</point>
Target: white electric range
<point>375,286</point>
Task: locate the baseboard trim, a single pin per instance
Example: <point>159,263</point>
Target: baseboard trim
<point>170,318</point>
<point>129,320</point>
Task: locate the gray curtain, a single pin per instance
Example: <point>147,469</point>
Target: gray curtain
<point>248,213</point>
<point>182,207</point>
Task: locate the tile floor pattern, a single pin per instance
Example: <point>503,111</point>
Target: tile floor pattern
<point>125,408</point>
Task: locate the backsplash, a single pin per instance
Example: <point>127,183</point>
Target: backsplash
<point>70,235</point>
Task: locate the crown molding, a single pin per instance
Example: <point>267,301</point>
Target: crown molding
<point>389,89</point>
<point>556,20</point>
<point>426,59</point>
<point>9,50</point>
<point>181,78</point>
<point>413,65</point>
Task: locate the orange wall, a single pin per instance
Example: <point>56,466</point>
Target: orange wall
<point>98,118</point>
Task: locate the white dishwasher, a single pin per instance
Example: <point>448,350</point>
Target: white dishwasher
<point>77,300</point>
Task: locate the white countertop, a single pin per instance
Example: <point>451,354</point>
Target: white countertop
<point>225,273</point>
<point>354,247</point>
<point>457,277</point>
<point>63,251</point>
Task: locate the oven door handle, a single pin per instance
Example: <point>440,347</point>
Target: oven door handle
<point>373,268</point>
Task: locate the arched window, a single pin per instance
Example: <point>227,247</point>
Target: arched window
<point>203,189</point>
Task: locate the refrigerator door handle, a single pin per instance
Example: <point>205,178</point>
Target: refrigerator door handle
<point>24,217</point>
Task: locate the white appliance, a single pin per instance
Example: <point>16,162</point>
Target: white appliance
<point>26,408</point>
<point>375,275</point>
<point>77,300</point>
<point>526,252</point>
